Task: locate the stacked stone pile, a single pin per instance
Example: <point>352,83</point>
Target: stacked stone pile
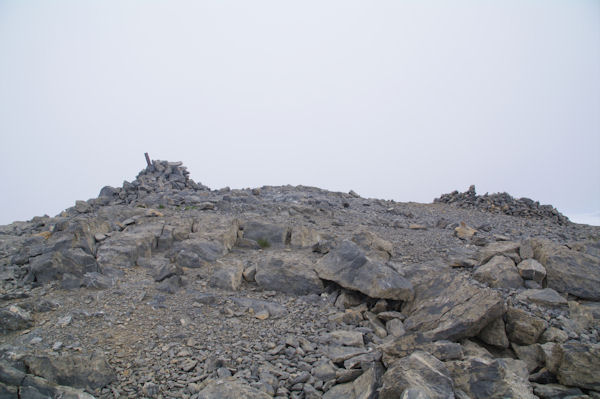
<point>502,203</point>
<point>159,177</point>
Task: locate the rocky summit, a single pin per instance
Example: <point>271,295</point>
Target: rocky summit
<point>164,288</point>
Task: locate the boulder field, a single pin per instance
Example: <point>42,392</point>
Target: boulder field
<point>164,288</point>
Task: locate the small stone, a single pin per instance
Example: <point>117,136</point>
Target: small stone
<point>64,321</point>
<point>464,232</point>
<point>395,328</point>
<point>531,269</point>
<point>262,315</point>
<point>150,389</point>
<point>188,365</point>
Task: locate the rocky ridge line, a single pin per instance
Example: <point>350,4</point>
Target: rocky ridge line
<point>166,289</point>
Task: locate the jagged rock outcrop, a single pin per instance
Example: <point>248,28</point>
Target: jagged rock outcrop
<point>165,288</point>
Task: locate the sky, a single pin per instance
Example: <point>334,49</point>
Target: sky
<point>401,100</point>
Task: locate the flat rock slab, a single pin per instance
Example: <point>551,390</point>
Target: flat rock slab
<point>506,248</point>
<point>547,297</point>
<point>287,273</point>
<point>348,266</point>
<point>79,371</point>
<point>449,306</point>
<point>569,271</point>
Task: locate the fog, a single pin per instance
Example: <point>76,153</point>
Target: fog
<point>400,100</point>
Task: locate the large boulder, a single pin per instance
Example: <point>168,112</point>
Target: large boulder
<point>290,274</point>
<point>499,272</point>
<point>54,265</point>
<point>80,371</point>
<point>227,275</point>
<point>364,387</point>
<point>507,248</point>
<point>580,365</point>
<point>450,306</point>
<point>495,334</point>
<point>348,266</point>
<point>421,371</point>
<point>483,378</point>
<point>13,318</point>
<point>123,249</point>
<point>267,234</point>
<point>374,245</point>
<point>523,328</point>
<point>406,344</point>
<point>567,270</point>
<point>195,251</point>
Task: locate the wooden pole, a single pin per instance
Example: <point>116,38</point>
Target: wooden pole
<point>147,159</point>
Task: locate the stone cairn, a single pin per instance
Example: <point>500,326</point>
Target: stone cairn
<point>502,203</point>
<point>158,177</point>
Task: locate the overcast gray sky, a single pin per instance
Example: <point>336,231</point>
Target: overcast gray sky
<point>400,100</point>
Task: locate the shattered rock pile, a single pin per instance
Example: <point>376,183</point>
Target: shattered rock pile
<point>166,289</point>
<point>162,178</point>
<point>502,203</point>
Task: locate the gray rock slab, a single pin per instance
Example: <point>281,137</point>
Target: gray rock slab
<point>523,328</point>
<point>482,378</point>
<point>547,297</point>
<point>580,365</point>
<point>288,273</point>
<point>227,275</point>
<point>450,306</point>
<point>531,269</point>
<point>420,370</point>
<point>80,371</point>
<point>499,272</point>
<point>348,266</point>
<point>569,271</point>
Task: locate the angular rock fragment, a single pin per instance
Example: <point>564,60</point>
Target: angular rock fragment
<point>227,275</point>
<point>495,334</point>
<point>580,365</point>
<point>288,274</point>
<point>421,371</point>
<point>546,297</point>
<point>499,272</point>
<point>506,248</point>
<point>482,378</point>
<point>14,318</point>
<point>569,271</point>
<point>531,269</point>
<point>364,387</point>
<point>348,266</point>
<point>449,306</point>
<point>523,328</point>
<point>80,371</point>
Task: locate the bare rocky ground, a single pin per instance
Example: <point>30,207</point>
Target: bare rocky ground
<point>166,289</point>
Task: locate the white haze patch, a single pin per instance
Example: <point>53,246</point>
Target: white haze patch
<point>400,100</point>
